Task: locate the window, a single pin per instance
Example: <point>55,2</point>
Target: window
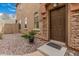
<point>25,25</point>
<point>36,20</point>
<point>25,22</point>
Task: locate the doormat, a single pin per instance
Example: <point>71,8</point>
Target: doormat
<point>54,45</point>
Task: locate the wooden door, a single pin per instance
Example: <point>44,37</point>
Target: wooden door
<point>57,24</point>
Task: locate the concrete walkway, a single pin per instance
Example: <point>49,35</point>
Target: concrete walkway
<point>14,44</point>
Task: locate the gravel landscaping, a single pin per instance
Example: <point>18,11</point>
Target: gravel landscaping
<point>14,44</point>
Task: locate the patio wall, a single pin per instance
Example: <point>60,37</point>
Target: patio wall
<point>1,27</point>
<point>10,28</point>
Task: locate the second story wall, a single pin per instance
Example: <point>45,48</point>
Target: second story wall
<point>26,11</point>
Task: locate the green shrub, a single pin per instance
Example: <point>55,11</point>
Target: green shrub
<point>29,35</point>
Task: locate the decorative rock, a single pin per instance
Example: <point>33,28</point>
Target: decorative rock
<point>14,44</point>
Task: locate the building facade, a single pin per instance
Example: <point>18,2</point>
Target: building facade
<point>55,21</point>
<point>26,14</point>
<point>62,23</point>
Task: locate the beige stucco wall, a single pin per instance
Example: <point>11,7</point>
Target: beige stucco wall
<point>1,27</point>
<point>10,28</point>
<point>27,10</point>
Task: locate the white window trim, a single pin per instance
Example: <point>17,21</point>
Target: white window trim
<point>38,20</point>
<point>36,29</point>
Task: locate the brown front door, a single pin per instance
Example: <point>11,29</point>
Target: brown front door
<point>57,24</point>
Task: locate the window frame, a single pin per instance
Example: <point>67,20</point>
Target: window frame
<point>36,21</point>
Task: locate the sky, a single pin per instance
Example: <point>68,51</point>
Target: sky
<point>8,8</point>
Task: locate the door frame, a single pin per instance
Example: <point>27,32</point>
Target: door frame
<point>66,21</point>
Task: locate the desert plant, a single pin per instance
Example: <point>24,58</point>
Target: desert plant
<point>30,36</point>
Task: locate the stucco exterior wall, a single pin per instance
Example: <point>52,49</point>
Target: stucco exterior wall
<point>1,27</point>
<point>27,10</point>
<point>10,28</point>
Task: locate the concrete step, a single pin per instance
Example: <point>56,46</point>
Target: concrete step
<point>52,51</point>
<point>36,53</point>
